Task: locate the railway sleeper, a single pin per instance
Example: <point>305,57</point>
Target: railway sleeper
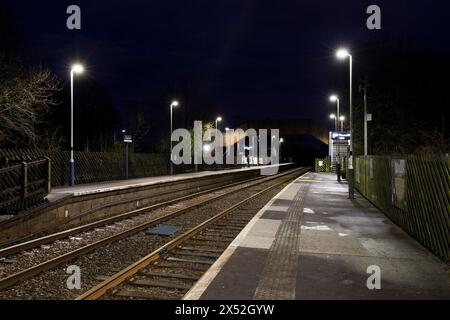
<point>225,228</point>
<point>180,266</point>
<point>160,284</point>
<point>169,275</point>
<point>194,261</point>
<point>229,237</point>
<point>142,295</point>
<point>213,239</point>
<point>202,249</point>
<point>195,254</point>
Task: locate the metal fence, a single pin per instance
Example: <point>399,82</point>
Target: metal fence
<point>90,166</point>
<point>24,185</point>
<point>414,192</point>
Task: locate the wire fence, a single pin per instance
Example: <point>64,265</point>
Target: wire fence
<point>414,192</point>
<point>24,185</point>
<point>89,166</point>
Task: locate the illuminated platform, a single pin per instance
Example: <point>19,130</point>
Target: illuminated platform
<point>92,188</point>
<point>311,242</point>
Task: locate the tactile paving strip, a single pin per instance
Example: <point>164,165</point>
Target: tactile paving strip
<point>278,279</point>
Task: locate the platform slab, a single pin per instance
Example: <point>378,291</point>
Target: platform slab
<point>311,242</point>
<point>99,187</point>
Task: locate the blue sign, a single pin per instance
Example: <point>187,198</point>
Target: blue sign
<point>340,136</point>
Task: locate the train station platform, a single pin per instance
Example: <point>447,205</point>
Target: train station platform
<point>117,185</point>
<point>69,207</point>
<point>312,242</point>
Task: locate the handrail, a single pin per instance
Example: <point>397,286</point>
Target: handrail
<point>24,185</point>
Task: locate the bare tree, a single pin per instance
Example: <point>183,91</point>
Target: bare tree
<point>26,97</point>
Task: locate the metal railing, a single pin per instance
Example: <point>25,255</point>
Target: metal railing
<point>24,185</point>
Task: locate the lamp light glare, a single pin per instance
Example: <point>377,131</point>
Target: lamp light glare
<point>342,53</point>
<point>77,68</point>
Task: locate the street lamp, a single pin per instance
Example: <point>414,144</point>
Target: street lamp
<point>219,119</point>
<point>344,54</point>
<point>206,147</point>
<point>174,103</point>
<point>335,98</point>
<point>333,117</point>
<point>342,119</point>
<point>76,69</point>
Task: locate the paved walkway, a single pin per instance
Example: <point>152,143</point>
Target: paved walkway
<point>106,186</point>
<point>311,242</point>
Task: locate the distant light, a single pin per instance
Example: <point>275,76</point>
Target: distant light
<point>334,98</point>
<point>206,147</point>
<point>123,131</point>
<point>342,53</point>
<point>175,103</point>
<point>332,116</point>
<point>281,140</point>
<point>219,119</point>
<point>342,118</point>
<point>77,68</point>
<point>227,129</point>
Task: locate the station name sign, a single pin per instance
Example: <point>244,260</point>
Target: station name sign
<point>127,138</point>
<point>340,136</point>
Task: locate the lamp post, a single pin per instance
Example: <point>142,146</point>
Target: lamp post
<point>344,54</point>
<point>76,69</point>
<point>363,88</point>
<point>219,119</point>
<point>173,104</point>
<point>333,117</point>
<point>342,119</point>
<point>216,142</point>
<point>281,144</point>
<point>335,98</point>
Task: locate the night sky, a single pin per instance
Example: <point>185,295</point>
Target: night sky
<point>255,59</point>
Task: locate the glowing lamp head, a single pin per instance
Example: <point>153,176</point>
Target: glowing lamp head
<point>175,103</point>
<point>219,119</point>
<point>342,118</point>
<point>77,68</point>
<point>206,147</point>
<point>342,54</point>
<point>332,116</point>
<point>281,140</point>
<point>334,98</point>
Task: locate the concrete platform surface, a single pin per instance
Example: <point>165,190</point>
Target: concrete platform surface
<point>311,242</point>
<point>92,188</point>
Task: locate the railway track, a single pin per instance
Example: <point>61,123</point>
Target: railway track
<point>170,271</point>
<point>36,256</point>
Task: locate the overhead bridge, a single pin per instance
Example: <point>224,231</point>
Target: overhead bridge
<point>291,127</point>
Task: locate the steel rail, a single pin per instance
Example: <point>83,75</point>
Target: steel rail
<point>117,279</point>
<point>49,264</point>
<point>16,248</point>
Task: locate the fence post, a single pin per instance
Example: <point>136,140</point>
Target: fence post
<point>24,180</point>
<point>48,180</point>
